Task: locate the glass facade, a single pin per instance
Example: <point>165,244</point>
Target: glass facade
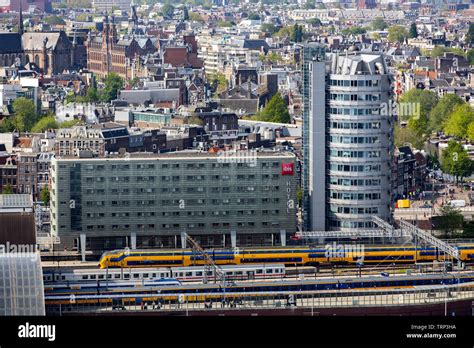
<point>21,283</point>
<point>359,142</point>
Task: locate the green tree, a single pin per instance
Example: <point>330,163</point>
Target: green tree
<point>218,83</point>
<point>376,36</point>
<point>379,24</point>
<point>168,11</point>
<point>25,114</point>
<point>439,51</point>
<point>44,123</point>
<point>7,189</point>
<point>83,17</point>
<point>354,31</point>
<point>297,34</point>
<point>440,113</point>
<point>68,124</point>
<point>432,162</point>
<point>92,95</point>
<point>195,120</point>
<point>196,17</point>
<point>455,161</point>
<point>70,98</point>
<point>224,24</point>
<point>315,22</point>
<point>45,195</point>
<point>450,220</point>
<point>413,32</point>
<point>470,56</point>
<point>406,135</point>
<point>397,33</point>
<point>113,83</point>
<point>299,196</point>
<point>275,111</point>
<point>54,20</point>
<point>470,131</point>
<point>310,5</point>
<point>458,121</point>
<point>253,16</point>
<point>268,28</point>
<point>6,125</point>
<point>294,33</point>
<point>419,100</point>
<point>273,57</point>
<point>470,35</point>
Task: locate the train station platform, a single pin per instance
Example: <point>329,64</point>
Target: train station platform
<point>423,300</point>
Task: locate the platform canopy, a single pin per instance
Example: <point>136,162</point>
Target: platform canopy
<point>21,283</point>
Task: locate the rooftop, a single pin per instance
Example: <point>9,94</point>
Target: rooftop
<point>187,154</point>
<point>15,201</point>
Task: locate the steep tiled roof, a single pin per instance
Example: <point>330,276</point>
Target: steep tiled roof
<point>10,43</point>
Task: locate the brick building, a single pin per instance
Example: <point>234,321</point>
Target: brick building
<point>106,53</point>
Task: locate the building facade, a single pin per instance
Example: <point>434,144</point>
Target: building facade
<point>106,53</point>
<point>350,142</point>
<point>150,200</point>
<point>52,52</point>
<point>310,52</point>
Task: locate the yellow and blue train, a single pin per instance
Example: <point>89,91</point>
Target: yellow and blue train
<point>290,256</point>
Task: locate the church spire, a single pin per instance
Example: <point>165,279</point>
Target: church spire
<point>21,30</point>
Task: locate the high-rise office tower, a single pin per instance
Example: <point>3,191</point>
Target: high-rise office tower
<point>349,140</point>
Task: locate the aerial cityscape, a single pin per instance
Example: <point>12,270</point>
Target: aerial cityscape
<point>236,158</point>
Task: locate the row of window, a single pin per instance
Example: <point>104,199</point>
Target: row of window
<point>355,168</point>
<point>354,83</point>
<point>181,213</point>
<point>354,111</point>
<point>178,202</point>
<point>354,97</point>
<point>353,140</point>
<point>80,143</point>
<point>355,154</point>
<point>354,196</point>
<point>354,182</point>
<point>174,165</point>
<point>355,125</point>
<point>177,226</point>
<point>176,178</point>
<point>352,210</point>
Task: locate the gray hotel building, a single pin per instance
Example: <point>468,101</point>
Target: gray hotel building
<point>151,200</point>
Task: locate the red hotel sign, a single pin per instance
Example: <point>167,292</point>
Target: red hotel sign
<point>287,169</point>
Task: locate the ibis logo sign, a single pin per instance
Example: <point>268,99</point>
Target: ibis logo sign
<point>287,169</point>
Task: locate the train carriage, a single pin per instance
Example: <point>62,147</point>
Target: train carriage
<point>288,256</point>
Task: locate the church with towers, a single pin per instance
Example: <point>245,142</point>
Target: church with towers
<point>52,52</point>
